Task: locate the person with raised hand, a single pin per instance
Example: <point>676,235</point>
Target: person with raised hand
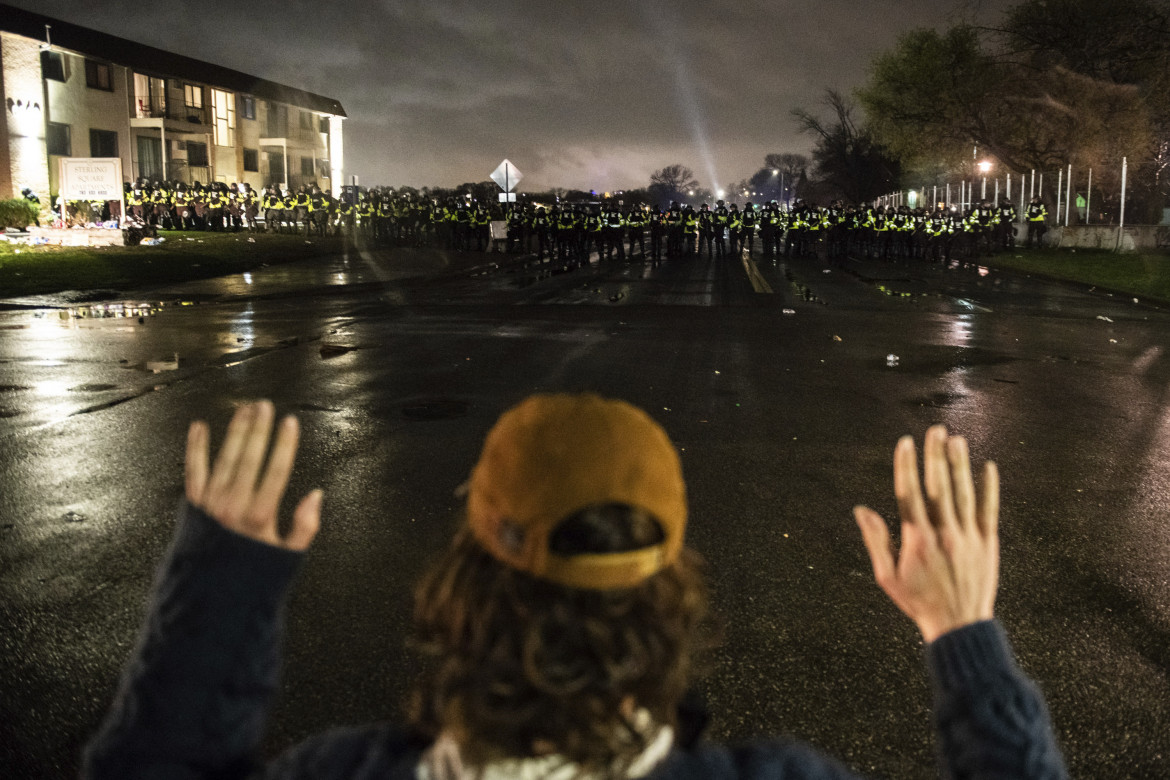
<point>560,627</point>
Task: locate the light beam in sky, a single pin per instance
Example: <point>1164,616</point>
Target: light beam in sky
<point>660,18</point>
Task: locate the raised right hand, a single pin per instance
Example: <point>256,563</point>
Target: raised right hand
<point>946,572</point>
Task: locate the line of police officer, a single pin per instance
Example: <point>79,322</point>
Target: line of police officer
<point>455,223</point>
<point>221,206</point>
<point>570,232</point>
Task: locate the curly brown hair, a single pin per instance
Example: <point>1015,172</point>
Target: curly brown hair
<point>519,666</point>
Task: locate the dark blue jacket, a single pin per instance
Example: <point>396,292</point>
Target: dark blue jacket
<point>195,696</point>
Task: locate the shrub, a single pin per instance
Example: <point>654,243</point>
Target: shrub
<point>18,213</point>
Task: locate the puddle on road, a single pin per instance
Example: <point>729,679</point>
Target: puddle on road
<point>115,310</point>
<point>71,316</point>
<point>801,291</point>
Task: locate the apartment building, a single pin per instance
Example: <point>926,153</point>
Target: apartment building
<point>70,91</point>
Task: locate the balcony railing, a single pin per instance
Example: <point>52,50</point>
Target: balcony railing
<point>153,107</point>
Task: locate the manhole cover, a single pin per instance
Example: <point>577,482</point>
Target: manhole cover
<point>435,409</point>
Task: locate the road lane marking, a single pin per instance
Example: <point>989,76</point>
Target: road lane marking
<point>759,283</point>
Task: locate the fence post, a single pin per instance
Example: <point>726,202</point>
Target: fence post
<point>1089,197</point>
<point>1067,194</point>
<point>1009,186</point>
<point>1121,219</point>
<point>1033,184</point>
<point>1059,192</point>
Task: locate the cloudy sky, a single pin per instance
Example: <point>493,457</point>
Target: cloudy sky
<point>578,94</point>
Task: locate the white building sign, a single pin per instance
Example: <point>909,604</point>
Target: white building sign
<point>91,178</point>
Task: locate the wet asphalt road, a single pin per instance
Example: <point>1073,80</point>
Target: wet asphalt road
<point>398,363</point>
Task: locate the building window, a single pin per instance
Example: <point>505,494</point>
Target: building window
<point>306,120</point>
<point>53,65</point>
<point>252,160</point>
<point>275,168</point>
<point>97,76</point>
<point>57,139</point>
<point>247,107</point>
<point>277,120</point>
<point>307,167</point>
<point>103,143</point>
<point>150,96</point>
<point>324,124</point>
<point>197,154</point>
<point>193,95</point>
<point>225,117</point>
<point>193,104</point>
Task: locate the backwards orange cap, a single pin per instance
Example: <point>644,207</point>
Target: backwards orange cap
<point>552,456</point>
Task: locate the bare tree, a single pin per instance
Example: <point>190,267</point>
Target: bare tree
<point>793,166</point>
<point>672,183</point>
<point>848,161</point>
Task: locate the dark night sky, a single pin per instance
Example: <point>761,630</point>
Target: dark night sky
<point>577,94</point>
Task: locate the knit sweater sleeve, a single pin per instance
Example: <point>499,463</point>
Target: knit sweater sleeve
<point>194,697</point>
<point>991,720</point>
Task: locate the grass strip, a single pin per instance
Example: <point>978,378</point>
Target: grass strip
<point>185,255</point>
<point>1141,274</point>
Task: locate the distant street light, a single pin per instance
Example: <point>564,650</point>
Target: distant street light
<point>985,166</point>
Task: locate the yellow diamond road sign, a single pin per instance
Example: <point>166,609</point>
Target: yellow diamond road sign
<point>507,176</point>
